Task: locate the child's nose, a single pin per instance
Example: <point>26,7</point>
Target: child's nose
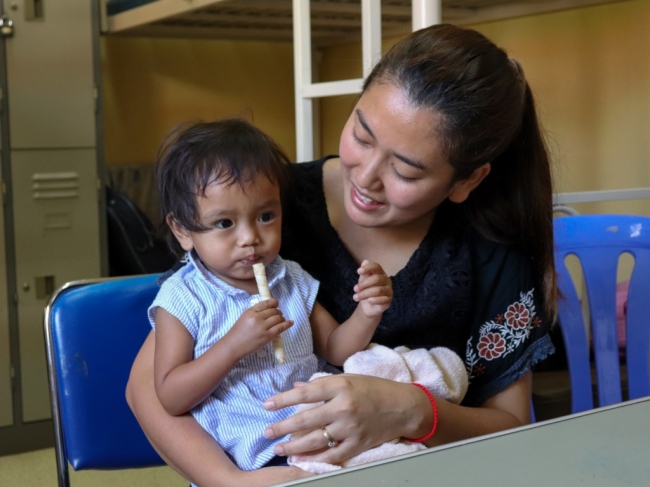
<point>248,236</point>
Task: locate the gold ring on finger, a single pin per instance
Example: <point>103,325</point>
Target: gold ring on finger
<point>331,442</point>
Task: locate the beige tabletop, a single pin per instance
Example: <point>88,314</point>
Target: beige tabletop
<point>605,447</point>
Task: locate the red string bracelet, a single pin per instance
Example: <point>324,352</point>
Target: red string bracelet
<point>435,415</point>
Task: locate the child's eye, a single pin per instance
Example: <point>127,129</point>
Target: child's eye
<point>223,224</point>
<point>266,217</point>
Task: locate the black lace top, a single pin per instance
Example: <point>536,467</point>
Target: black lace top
<point>458,289</point>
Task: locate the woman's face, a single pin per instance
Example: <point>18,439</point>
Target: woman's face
<point>394,171</point>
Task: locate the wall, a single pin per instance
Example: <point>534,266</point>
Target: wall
<point>588,68</point>
<point>590,72</point>
<point>150,85</point>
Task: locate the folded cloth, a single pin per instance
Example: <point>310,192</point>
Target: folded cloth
<point>440,370</point>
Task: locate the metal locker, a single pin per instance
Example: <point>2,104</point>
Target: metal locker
<point>57,240</point>
<point>52,106</point>
<point>51,91</point>
<point>6,397</point>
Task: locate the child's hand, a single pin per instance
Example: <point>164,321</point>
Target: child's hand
<point>257,326</point>
<point>374,291</point>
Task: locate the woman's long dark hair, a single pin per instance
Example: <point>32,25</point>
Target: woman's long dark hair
<point>488,116</point>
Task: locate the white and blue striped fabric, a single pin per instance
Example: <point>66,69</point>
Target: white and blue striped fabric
<point>208,307</point>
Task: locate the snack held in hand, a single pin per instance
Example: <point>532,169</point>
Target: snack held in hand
<point>263,288</point>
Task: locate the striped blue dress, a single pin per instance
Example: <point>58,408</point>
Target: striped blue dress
<point>208,307</point>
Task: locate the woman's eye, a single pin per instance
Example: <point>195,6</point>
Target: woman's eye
<point>403,178</point>
<point>358,140</point>
<point>223,224</point>
<point>266,217</point>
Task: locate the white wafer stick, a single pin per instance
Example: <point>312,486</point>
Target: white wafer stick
<point>263,288</point>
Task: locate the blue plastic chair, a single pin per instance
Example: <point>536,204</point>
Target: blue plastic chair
<point>598,241</point>
<point>93,332</point>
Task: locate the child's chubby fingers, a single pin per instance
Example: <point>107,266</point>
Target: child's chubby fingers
<point>266,304</point>
<point>374,287</point>
<point>379,281</point>
<point>281,327</point>
<point>266,310</point>
<point>374,295</point>
<point>368,268</point>
<point>371,273</point>
<point>372,280</point>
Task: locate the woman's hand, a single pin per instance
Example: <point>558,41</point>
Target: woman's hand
<point>360,412</point>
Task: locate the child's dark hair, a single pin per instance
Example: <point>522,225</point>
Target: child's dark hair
<point>195,155</point>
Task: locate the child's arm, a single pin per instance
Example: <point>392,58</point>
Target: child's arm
<point>183,382</point>
<point>374,293</point>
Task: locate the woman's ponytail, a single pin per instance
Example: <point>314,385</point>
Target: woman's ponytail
<point>488,116</point>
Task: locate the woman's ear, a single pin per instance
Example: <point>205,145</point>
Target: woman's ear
<point>460,190</point>
<point>183,236</point>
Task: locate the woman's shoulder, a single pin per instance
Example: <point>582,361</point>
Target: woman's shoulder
<point>502,275</point>
<point>509,332</point>
<point>489,254</point>
<point>500,270</point>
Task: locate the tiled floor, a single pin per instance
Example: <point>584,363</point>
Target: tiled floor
<point>38,469</point>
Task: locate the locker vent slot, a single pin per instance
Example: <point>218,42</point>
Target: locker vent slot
<point>55,185</point>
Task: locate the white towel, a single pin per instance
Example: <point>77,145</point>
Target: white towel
<point>440,370</point>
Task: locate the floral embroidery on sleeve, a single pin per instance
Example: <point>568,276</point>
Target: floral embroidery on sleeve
<point>502,335</point>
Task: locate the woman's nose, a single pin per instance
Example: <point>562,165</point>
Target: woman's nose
<point>368,173</point>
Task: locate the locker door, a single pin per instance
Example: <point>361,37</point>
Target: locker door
<point>53,158</point>
<point>6,372</point>
<point>6,394</point>
<point>50,75</point>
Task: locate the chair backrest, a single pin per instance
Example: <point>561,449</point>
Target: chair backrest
<point>598,241</point>
<point>93,331</point>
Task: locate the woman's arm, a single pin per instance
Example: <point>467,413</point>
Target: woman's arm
<point>182,442</point>
<point>355,406</point>
<point>507,409</point>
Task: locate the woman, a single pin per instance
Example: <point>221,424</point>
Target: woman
<point>443,178</point>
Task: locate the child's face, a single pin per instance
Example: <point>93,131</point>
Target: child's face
<point>244,229</point>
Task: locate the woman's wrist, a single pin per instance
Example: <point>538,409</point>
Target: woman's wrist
<point>434,409</point>
<point>421,418</point>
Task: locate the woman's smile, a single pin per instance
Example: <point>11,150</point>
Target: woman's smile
<point>364,202</point>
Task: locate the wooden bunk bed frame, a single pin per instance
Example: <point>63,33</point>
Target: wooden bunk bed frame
<point>315,23</point>
<point>332,21</point>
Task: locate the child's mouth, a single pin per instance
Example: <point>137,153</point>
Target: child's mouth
<point>253,259</point>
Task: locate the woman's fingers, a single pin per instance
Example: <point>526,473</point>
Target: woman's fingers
<point>320,390</point>
<point>307,420</point>
<point>303,393</point>
<point>314,445</point>
<point>353,408</point>
<point>343,451</point>
<point>312,441</point>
